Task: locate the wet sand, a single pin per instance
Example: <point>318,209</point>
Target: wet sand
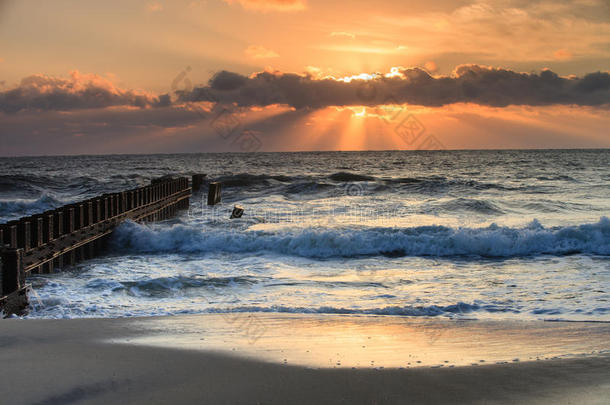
<point>285,358</point>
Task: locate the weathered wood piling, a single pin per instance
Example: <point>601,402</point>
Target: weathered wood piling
<point>198,181</point>
<point>238,211</point>
<point>45,242</point>
<point>213,193</point>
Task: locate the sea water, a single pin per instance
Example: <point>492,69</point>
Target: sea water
<point>459,234</point>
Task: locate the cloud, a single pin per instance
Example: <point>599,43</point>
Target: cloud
<point>271,5</point>
<point>154,7</point>
<point>80,91</point>
<point>430,66</point>
<point>260,52</point>
<point>563,55</point>
<point>475,84</point>
<point>507,30</point>
<point>343,34</point>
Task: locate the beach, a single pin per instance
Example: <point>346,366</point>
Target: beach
<point>217,359</point>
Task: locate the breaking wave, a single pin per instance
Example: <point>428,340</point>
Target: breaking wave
<point>438,241</point>
<point>13,209</point>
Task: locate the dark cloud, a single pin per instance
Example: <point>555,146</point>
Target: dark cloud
<point>40,93</point>
<point>468,84</point>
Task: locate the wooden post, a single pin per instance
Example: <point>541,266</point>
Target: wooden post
<point>23,235</point>
<point>79,223</point>
<point>36,236</point>
<point>97,218</point>
<point>47,226</point>
<point>47,236</point>
<point>104,209</point>
<point>13,297</point>
<point>58,223</point>
<point>107,205</point>
<point>68,214</point>
<point>88,207</point>
<point>10,234</point>
<point>69,226</point>
<point>79,216</point>
<point>112,205</point>
<point>58,230</point>
<point>13,276</point>
<point>198,181</point>
<point>96,214</point>
<point>116,205</point>
<point>36,231</point>
<point>238,211</point>
<point>214,193</point>
<point>87,250</point>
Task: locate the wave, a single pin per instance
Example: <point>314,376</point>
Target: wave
<point>247,179</point>
<point>308,187</point>
<point>22,183</point>
<point>59,307</point>
<point>319,243</point>
<point>349,177</point>
<point>473,205</point>
<point>460,308</point>
<point>12,209</point>
<point>423,184</point>
<point>166,285</point>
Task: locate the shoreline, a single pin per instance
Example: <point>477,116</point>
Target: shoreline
<point>208,359</point>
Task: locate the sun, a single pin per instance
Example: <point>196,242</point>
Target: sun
<point>361,113</point>
<point>361,76</point>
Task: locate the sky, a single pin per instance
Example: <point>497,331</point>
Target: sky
<point>136,76</point>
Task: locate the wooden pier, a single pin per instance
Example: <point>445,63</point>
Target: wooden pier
<point>45,242</point>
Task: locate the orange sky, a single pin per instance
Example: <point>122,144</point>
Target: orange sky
<point>136,50</point>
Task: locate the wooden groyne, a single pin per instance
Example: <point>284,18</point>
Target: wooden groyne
<point>45,242</point>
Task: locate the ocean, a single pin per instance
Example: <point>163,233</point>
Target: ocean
<point>459,234</point>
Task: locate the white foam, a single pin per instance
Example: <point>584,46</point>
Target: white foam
<point>491,241</point>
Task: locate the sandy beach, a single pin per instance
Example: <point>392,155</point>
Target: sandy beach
<point>302,359</point>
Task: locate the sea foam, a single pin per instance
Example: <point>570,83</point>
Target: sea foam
<point>439,241</point>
